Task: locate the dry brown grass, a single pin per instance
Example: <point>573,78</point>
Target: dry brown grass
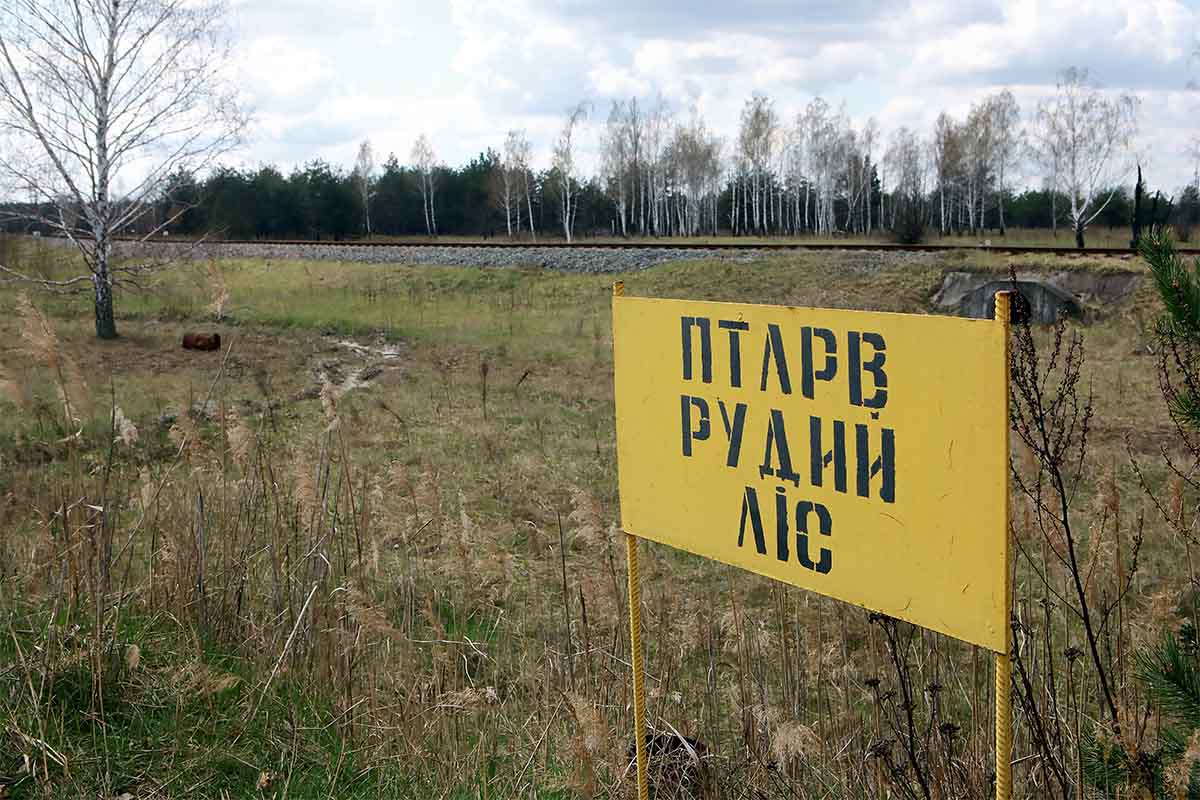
<point>447,584</point>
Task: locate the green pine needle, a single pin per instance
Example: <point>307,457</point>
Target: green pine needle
<point>1173,680</point>
<point>1105,765</point>
<point>1186,408</point>
<point>1178,286</point>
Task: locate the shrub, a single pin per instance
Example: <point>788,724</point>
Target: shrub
<point>910,224</point>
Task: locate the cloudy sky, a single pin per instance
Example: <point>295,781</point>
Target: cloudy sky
<point>321,75</point>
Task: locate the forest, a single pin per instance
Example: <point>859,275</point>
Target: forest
<point>323,201</point>
<point>1071,163</point>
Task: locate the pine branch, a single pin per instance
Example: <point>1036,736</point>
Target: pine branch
<point>1172,677</point>
<point>1105,765</point>
<point>1186,408</point>
<point>1178,286</point>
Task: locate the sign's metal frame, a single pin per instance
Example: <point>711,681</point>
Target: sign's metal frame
<point>1003,663</point>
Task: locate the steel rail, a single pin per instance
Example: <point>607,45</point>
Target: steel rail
<point>785,246</point>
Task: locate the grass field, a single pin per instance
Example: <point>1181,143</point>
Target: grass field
<point>368,549</point>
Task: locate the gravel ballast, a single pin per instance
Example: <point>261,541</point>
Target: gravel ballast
<point>581,259</point>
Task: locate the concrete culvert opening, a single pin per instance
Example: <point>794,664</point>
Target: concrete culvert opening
<point>1034,302</point>
<point>1044,298</point>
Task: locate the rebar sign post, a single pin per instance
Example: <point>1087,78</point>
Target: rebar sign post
<point>1003,662</point>
<point>635,639</point>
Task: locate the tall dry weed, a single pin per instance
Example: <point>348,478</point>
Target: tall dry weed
<point>426,498</point>
<point>240,437</point>
<point>304,484</point>
<point>1179,774</point>
<point>331,395</point>
<point>591,744</point>
<point>14,391</point>
<point>126,432</point>
<point>187,437</point>
<point>587,518</point>
<point>368,615</point>
<point>43,346</point>
<point>793,741</point>
<point>218,290</point>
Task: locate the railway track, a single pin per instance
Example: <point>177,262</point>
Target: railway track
<point>684,246</point>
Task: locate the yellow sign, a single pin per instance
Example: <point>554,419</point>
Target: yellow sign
<point>863,456</point>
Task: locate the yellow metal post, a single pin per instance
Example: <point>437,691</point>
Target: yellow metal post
<point>639,689</point>
<point>635,638</point>
<point>1003,728</point>
<point>1003,662</point>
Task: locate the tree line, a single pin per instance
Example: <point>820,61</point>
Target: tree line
<point>323,202</point>
<point>663,174</point>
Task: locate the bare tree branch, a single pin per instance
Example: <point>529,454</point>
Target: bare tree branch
<point>99,93</point>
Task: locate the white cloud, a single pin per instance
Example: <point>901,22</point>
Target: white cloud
<point>1129,44</point>
<point>324,74</point>
<point>277,68</point>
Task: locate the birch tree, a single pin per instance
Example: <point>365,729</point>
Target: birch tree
<point>510,180</point>
<point>693,156</point>
<point>906,159</point>
<point>945,151</point>
<point>870,135</point>
<point>820,126</point>
<point>1008,139</point>
<point>364,175</point>
<point>976,165</point>
<point>757,138</point>
<point>907,165</point>
<point>1194,153</point>
<point>615,161</point>
<point>634,130</point>
<point>563,162</point>
<point>100,93</point>
<point>517,155</point>
<point>661,126</point>
<point>425,162</point>
<point>793,173</point>
<point>1089,136</point>
<point>1045,151</point>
